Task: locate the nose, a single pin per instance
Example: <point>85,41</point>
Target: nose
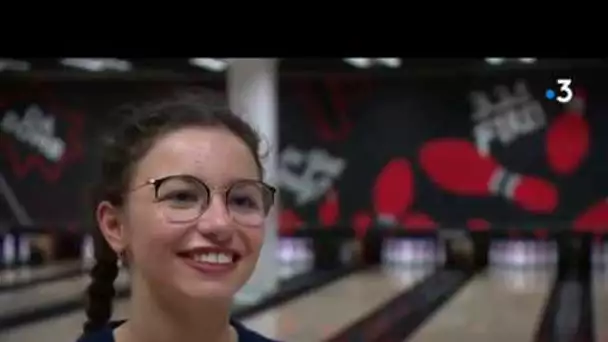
<point>216,220</point>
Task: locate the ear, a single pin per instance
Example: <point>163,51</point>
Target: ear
<point>110,223</point>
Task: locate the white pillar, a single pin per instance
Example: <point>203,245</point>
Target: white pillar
<point>252,92</point>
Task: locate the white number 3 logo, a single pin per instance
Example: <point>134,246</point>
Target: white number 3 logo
<point>566,93</point>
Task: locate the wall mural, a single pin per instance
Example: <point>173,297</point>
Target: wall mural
<point>469,152</point>
<point>472,153</point>
<point>48,144</point>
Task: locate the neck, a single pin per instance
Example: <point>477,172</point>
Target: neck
<point>155,317</point>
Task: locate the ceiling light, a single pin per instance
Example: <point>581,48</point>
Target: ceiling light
<point>97,64</point>
<point>369,62</point>
<point>495,60</point>
<point>528,60</point>
<point>8,64</point>
<point>359,62</point>
<point>390,62</point>
<point>213,64</point>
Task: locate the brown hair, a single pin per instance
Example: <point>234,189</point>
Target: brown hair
<point>127,143</point>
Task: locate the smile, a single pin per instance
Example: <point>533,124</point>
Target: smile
<point>211,260</point>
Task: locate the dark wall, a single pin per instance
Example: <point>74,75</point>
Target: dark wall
<point>340,133</point>
<point>55,191</point>
<point>440,174</point>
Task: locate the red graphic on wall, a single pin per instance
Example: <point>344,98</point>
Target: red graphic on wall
<point>361,223</point>
<point>289,222</point>
<point>332,101</point>
<point>593,219</point>
<point>329,210</point>
<point>478,224</point>
<point>418,221</point>
<point>393,192</point>
<point>21,165</point>
<point>567,140</point>
<point>456,166</point>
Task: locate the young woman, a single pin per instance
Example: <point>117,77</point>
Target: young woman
<point>181,203</point>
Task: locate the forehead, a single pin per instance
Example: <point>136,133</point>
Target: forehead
<point>212,154</point>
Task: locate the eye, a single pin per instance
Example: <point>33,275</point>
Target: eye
<point>243,201</point>
<point>181,197</point>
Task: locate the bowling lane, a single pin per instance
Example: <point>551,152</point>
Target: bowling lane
<point>66,327</point>
<point>324,312</point>
<point>19,276</point>
<point>46,294</point>
<point>600,304</point>
<point>497,306</point>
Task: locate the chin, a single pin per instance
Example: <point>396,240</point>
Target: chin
<point>209,291</point>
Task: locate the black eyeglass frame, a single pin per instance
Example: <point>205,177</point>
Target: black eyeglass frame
<point>269,193</point>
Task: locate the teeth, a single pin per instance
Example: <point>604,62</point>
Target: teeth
<point>214,258</point>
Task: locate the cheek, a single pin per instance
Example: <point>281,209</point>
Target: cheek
<point>254,237</point>
<point>150,233</point>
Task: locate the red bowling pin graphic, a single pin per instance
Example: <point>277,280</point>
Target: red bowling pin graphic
<point>329,210</point>
<point>567,139</point>
<point>393,192</point>
<point>541,233</point>
<point>478,225</point>
<point>361,222</point>
<point>418,221</point>
<point>289,222</point>
<point>593,219</point>
<point>456,166</point>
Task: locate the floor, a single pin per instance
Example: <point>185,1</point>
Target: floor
<point>496,305</point>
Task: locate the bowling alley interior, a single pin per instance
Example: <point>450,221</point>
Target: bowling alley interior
<point>398,199</point>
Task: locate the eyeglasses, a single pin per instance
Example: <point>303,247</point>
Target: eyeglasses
<point>184,198</point>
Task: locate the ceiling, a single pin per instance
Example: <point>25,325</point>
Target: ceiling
<point>184,69</point>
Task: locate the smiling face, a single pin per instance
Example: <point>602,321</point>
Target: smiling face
<point>169,246</point>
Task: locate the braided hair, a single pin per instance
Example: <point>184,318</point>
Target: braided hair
<point>129,140</point>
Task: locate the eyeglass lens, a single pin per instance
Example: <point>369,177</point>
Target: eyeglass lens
<point>184,199</point>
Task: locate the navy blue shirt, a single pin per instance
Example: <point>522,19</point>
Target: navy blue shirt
<point>107,335</point>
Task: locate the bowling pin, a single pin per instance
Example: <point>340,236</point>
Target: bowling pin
<point>393,191</point>
<point>493,254</point>
<point>329,210</point>
<point>455,165</point>
<point>8,250</point>
<point>567,140</point>
<point>280,252</point>
<point>501,253</point>
<point>426,258</point>
<point>605,256</point>
<point>393,251</point>
<point>288,250</point>
<point>303,252</point>
<point>295,244</point>
<point>432,257</point>
<point>440,253</point>
<point>553,254</point>
<point>596,256</point>
<point>530,256</point>
<point>407,252</point>
<point>416,250</point>
<point>396,251</point>
<point>298,250</point>
<point>594,218</point>
<point>310,252</point>
<point>24,250</point>
<point>345,253</point>
<point>87,251</point>
<point>386,252</point>
<point>542,254</point>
